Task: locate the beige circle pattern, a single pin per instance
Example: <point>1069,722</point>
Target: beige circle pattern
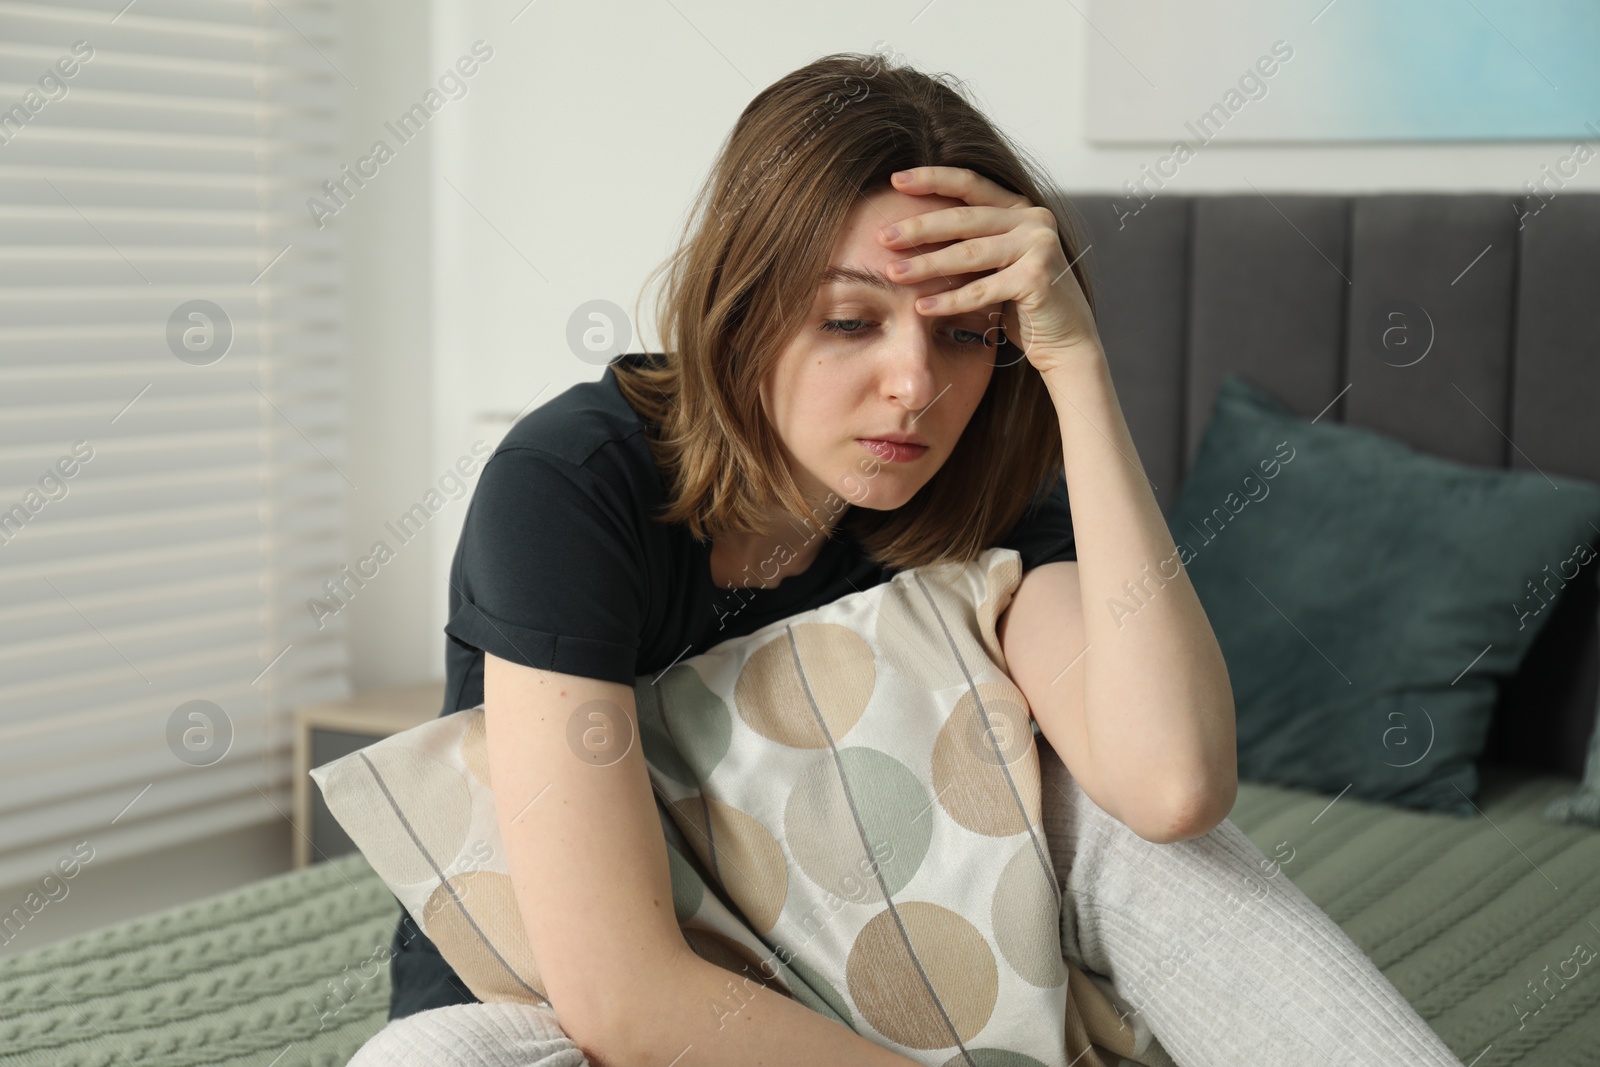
<point>1024,903</point>
<point>773,698</point>
<point>728,954</point>
<point>890,981</point>
<point>739,850</point>
<point>822,836</point>
<point>491,900</point>
<point>974,786</point>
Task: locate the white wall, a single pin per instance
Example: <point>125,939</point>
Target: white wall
<point>388,241</point>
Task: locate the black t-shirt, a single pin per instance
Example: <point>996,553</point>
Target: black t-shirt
<point>561,567</point>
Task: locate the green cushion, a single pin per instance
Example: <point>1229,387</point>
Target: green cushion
<point>1369,599</point>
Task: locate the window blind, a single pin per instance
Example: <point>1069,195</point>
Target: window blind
<point>171,417</point>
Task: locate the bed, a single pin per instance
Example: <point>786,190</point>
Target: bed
<point>1475,919</point>
<point>1461,914</point>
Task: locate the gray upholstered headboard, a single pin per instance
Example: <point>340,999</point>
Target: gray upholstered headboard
<point>1288,289</point>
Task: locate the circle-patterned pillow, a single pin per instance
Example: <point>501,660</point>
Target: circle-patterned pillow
<point>860,783</point>
<point>861,780</point>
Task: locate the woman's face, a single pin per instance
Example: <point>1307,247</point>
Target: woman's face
<point>865,364</point>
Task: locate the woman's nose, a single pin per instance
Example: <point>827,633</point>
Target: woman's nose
<point>908,370</point>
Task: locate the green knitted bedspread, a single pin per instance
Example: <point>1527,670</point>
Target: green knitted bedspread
<point>1468,917</point>
<point>272,973</point>
<point>1461,914</point>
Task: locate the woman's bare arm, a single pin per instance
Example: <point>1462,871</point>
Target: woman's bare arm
<point>589,865</point>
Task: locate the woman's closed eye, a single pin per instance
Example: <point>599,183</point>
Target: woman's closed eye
<point>857,328</point>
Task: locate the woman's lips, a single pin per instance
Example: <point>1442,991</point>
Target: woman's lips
<point>891,452</point>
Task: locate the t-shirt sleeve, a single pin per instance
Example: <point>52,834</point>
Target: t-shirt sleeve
<point>551,570</point>
<point>1044,534</point>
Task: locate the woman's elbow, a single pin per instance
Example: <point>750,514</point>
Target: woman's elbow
<point>611,1021</point>
<point>583,1023</point>
<point>1195,813</point>
<point>605,1036</point>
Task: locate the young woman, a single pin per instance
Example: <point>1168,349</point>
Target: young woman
<point>880,352</point>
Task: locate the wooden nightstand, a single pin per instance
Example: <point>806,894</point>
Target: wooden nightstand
<point>324,732</point>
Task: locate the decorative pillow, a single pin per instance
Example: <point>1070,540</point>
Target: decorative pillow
<point>1582,808</point>
<point>860,781</point>
<point>1369,599</point>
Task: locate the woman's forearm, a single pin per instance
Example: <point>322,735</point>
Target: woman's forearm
<point>721,1019</point>
<point>1157,700</point>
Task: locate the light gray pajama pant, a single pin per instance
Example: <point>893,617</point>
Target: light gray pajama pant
<point>1209,945</point>
<point>1212,955</point>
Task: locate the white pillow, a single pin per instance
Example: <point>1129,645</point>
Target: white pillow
<point>859,781</point>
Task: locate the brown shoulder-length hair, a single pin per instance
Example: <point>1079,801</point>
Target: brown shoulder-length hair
<point>746,272</point>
